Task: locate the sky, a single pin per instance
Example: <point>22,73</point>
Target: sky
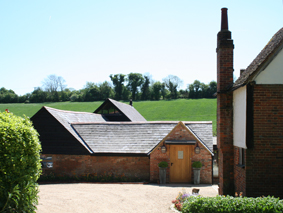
<point>86,41</point>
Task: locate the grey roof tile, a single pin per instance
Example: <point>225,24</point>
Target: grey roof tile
<point>128,110</point>
<point>203,131</point>
<point>134,137</point>
<point>68,117</point>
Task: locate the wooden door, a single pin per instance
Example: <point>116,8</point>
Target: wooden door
<point>180,163</point>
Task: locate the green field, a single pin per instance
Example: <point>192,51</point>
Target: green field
<point>164,110</point>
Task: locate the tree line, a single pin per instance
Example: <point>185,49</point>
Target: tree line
<point>133,86</point>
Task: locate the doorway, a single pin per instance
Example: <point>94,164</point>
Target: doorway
<point>180,163</point>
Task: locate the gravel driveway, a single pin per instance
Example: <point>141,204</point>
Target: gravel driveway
<point>116,198</point>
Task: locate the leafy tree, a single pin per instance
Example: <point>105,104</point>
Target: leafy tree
<point>204,90</point>
<point>135,80</point>
<point>145,89</point>
<point>119,87</point>
<point>191,89</point>
<point>38,96</point>
<point>156,90</point>
<point>212,89</point>
<point>184,93</point>
<point>196,85</point>
<point>164,91</point>
<point>8,96</point>
<point>172,82</point>
<point>92,92</point>
<point>106,90</point>
<point>19,164</point>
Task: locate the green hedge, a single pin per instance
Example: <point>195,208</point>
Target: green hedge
<point>232,204</point>
<point>19,164</point>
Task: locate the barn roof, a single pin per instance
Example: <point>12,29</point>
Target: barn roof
<point>136,137</point>
<point>68,117</point>
<point>262,59</point>
<point>129,111</point>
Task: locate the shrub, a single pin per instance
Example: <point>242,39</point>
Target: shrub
<point>197,164</point>
<point>163,164</point>
<point>232,204</point>
<point>19,164</point>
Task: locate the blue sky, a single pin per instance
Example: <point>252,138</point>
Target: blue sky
<point>89,40</point>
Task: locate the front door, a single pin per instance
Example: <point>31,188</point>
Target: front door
<point>180,163</point>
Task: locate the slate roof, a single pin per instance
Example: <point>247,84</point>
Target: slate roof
<point>68,117</point>
<point>128,110</point>
<point>136,137</point>
<point>203,131</point>
<point>267,52</point>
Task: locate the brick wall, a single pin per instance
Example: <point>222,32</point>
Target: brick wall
<point>87,164</point>
<point>156,157</point>
<point>239,174</point>
<point>180,132</point>
<point>265,160</point>
<point>225,70</point>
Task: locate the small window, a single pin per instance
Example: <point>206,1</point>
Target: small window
<point>242,157</point>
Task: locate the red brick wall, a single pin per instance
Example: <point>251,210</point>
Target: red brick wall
<point>225,70</point>
<point>180,132</point>
<point>239,174</point>
<point>87,164</point>
<point>156,157</point>
<point>265,160</point>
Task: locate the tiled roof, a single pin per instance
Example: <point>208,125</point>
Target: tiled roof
<point>268,51</point>
<point>128,110</point>
<point>68,117</point>
<point>203,131</point>
<point>135,137</point>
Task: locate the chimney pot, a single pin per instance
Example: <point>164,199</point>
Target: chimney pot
<point>224,19</point>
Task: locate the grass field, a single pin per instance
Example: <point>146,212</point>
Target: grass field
<point>164,110</point>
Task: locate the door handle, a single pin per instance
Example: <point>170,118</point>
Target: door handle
<point>171,164</point>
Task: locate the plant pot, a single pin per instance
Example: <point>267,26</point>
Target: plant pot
<point>162,175</point>
<point>196,175</point>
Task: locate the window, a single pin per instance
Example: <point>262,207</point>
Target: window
<point>242,157</point>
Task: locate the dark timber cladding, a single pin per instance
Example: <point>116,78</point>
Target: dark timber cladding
<point>54,138</point>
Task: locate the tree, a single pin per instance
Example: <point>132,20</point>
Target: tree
<point>91,91</point>
<point>145,89</point>
<point>119,87</point>
<point>8,96</point>
<point>106,90</point>
<point>134,81</point>
<point>52,84</point>
<point>191,89</point>
<point>172,82</point>
<point>204,90</point>
<point>212,89</point>
<point>38,96</point>
<point>164,91</point>
<point>19,164</point>
<point>156,90</point>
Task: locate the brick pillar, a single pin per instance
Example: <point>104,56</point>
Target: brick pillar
<point>225,70</point>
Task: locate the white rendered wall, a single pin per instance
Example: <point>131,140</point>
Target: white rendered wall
<point>273,73</point>
<point>239,119</point>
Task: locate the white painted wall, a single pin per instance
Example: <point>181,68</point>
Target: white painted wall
<point>273,73</point>
<point>239,119</point>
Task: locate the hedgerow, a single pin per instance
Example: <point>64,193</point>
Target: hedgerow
<point>19,164</point>
<point>231,204</point>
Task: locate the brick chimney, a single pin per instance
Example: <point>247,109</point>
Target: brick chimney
<point>225,70</point>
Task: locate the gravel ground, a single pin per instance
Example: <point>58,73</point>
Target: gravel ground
<point>86,197</point>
